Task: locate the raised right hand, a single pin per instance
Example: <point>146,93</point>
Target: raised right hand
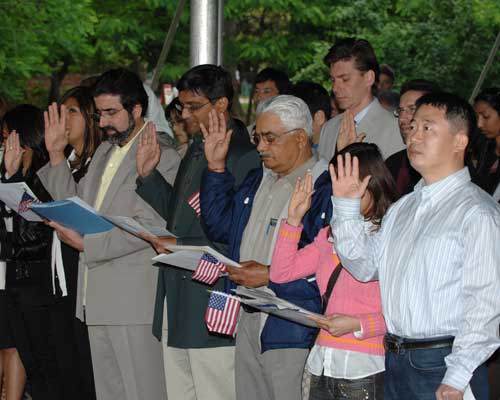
<point>347,131</point>
<point>56,132</point>
<point>345,180</point>
<point>216,140</point>
<point>300,201</point>
<point>148,152</point>
<point>13,154</point>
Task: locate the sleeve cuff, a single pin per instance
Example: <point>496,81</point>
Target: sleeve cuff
<point>290,232</point>
<point>457,378</point>
<point>372,324</point>
<point>343,207</point>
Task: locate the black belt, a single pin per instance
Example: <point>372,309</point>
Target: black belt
<point>396,344</point>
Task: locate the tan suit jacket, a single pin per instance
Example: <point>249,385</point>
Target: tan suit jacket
<point>380,126</point>
<point>121,283</point>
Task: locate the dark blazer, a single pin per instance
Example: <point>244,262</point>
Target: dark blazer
<point>187,299</point>
<point>403,173</point>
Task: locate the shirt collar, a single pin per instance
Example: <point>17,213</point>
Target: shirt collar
<point>440,189</point>
<point>359,116</point>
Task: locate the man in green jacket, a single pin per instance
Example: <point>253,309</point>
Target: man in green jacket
<point>198,364</point>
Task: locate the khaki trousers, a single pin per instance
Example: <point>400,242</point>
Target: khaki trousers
<point>127,363</point>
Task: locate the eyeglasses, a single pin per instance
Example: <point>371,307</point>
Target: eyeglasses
<point>269,138</point>
<point>191,107</point>
<point>400,110</point>
<point>109,113</point>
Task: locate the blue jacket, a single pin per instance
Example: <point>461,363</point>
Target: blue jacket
<point>226,211</point>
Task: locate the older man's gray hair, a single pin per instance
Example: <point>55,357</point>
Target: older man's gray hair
<point>292,111</point>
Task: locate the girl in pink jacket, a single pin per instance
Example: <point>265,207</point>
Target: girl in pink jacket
<point>347,360</point>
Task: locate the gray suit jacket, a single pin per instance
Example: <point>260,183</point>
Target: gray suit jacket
<point>379,125</point>
<point>121,282</point>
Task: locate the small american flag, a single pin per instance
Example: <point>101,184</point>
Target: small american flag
<point>194,202</point>
<point>222,313</point>
<point>208,269</point>
<point>25,203</point>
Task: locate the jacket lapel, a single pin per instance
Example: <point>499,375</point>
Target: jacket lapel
<point>367,123</point>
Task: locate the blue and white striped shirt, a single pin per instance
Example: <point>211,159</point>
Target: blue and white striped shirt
<point>437,256</point>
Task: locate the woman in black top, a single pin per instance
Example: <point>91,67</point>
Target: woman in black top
<point>26,251</point>
<point>487,107</point>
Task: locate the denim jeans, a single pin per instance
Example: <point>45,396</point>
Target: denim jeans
<point>326,388</point>
<point>417,374</point>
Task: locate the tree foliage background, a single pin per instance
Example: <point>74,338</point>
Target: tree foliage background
<point>444,40</point>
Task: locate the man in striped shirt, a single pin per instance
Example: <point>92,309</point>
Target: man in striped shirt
<point>437,258</point>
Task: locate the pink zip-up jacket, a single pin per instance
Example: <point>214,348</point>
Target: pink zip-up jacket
<point>349,296</point>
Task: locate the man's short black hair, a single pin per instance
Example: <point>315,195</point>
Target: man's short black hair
<point>358,49</point>
<point>123,83</point>
<point>458,112</point>
<point>419,85</point>
<point>314,95</point>
<point>280,79</point>
<point>208,80</point>
<point>387,70</point>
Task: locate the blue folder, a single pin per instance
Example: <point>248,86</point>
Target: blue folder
<point>68,213</point>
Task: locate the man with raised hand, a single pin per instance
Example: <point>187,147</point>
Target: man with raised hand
<point>115,279</point>
<point>436,257</point>
<point>354,72</point>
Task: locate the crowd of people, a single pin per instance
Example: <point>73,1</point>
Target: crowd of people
<point>377,211</point>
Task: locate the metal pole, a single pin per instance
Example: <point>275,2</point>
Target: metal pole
<point>220,33</point>
<point>167,44</point>
<point>486,68</point>
<point>203,32</point>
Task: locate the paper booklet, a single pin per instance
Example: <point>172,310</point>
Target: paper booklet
<point>265,300</point>
<point>76,214</point>
<point>188,257</point>
<point>12,195</point>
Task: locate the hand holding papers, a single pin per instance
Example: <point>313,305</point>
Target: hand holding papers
<point>18,197</point>
<point>207,263</point>
<point>265,300</point>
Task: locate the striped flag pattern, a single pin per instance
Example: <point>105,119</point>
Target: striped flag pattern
<point>222,313</point>
<point>208,269</point>
<point>194,202</point>
<point>25,203</point>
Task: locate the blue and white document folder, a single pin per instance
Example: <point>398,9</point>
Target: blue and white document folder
<point>73,213</point>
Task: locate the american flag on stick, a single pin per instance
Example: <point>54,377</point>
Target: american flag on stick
<point>194,202</point>
<point>25,203</point>
<point>208,269</point>
<point>222,313</point>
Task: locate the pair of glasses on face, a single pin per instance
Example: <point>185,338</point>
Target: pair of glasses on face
<point>192,107</point>
<point>108,113</point>
<point>400,110</point>
<point>270,137</point>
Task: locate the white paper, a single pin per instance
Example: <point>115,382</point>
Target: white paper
<point>205,249</point>
<point>132,226</point>
<point>12,193</point>
<point>271,304</point>
<point>183,259</point>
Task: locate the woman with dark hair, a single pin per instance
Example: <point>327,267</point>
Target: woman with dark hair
<point>84,133</point>
<point>84,136</point>
<point>25,250</point>
<point>178,126</point>
<point>487,108</point>
<point>347,360</point>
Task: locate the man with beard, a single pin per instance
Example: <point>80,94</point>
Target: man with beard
<point>198,364</point>
<point>116,281</point>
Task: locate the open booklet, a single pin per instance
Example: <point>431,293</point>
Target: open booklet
<point>76,214</point>
<point>18,196</point>
<point>265,300</point>
<point>188,257</point>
